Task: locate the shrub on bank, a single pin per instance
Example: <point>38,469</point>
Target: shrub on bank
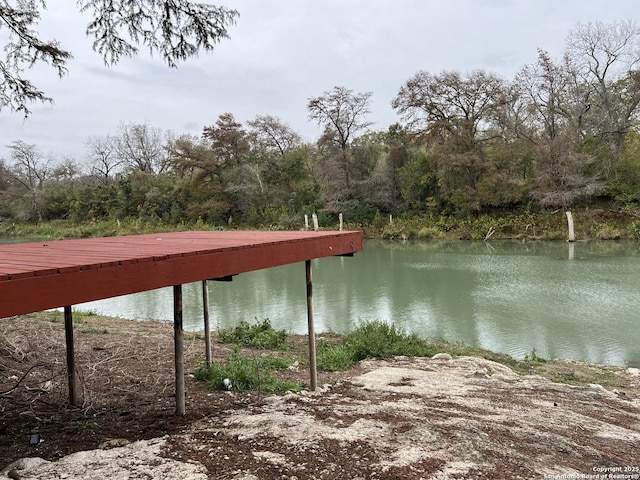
<point>243,373</point>
<point>259,335</point>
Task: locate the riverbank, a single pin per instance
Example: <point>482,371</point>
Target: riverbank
<point>606,221</point>
<point>451,416</point>
<point>603,222</point>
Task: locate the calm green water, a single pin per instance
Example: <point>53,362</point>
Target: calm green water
<point>579,301</point>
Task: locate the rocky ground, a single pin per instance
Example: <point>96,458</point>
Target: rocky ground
<point>403,418</point>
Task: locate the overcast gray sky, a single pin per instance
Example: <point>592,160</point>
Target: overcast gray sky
<point>281,52</point>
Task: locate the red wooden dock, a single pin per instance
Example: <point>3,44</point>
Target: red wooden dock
<point>42,275</point>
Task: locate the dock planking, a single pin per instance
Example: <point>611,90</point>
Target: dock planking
<point>41,275</point>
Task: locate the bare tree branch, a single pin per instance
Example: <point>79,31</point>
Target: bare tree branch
<point>176,29</point>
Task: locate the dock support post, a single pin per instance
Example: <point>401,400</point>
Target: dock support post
<point>179,348</point>
<point>71,361</point>
<point>311,327</point>
<point>207,329</point>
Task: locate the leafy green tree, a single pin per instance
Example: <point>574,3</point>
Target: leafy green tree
<point>148,196</point>
<point>398,143</point>
<point>60,189</point>
<point>456,117</point>
<point>202,186</point>
<point>372,176</point>
<point>241,166</point>
<point>228,139</point>
<point>419,180</point>
<point>93,202</point>
<point>295,174</point>
<point>626,186</point>
<point>284,166</point>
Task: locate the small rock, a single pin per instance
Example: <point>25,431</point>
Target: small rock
<point>325,388</point>
<point>442,356</point>
<point>24,464</point>
<point>14,475</point>
<point>271,400</point>
<point>114,443</point>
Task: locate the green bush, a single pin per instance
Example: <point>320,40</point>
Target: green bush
<point>372,340</point>
<point>335,359</point>
<point>259,335</point>
<point>634,228</point>
<point>244,373</point>
<point>605,231</point>
<point>378,339</point>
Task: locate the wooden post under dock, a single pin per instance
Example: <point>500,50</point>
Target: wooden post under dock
<point>311,328</point>
<point>71,361</point>
<point>207,328</point>
<point>179,349</point>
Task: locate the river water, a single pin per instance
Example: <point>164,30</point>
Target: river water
<point>577,301</point>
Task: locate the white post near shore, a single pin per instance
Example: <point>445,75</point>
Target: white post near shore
<point>572,235</point>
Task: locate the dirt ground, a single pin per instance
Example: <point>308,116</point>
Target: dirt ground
<point>396,419</point>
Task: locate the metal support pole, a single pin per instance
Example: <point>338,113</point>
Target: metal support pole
<point>207,329</point>
<point>71,362</point>
<point>312,333</point>
<point>179,348</point>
